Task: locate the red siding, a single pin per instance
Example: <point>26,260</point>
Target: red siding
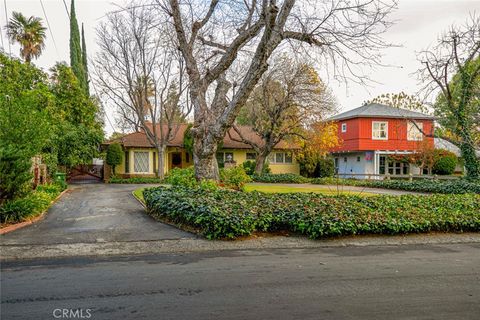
<point>359,135</point>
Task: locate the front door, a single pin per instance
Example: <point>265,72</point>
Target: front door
<point>176,160</point>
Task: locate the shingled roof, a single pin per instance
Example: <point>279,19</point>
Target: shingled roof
<point>377,110</point>
<point>139,139</point>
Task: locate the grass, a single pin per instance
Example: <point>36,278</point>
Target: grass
<point>138,193</point>
<point>290,189</point>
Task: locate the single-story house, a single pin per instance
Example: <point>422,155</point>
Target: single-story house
<point>140,158</point>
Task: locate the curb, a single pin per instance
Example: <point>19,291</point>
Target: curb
<point>23,224</point>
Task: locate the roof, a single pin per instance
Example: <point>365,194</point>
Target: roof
<point>140,140</point>
<point>377,110</point>
<point>447,145</point>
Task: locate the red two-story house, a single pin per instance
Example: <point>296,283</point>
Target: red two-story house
<point>369,134</point>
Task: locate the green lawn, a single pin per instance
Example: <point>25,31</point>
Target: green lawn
<point>139,194</point>
<point>289,189</point>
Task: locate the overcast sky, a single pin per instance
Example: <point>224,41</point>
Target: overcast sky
<point>418,26</point>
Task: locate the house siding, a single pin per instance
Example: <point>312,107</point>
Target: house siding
<point>239,156</point>
<point>359,135</point>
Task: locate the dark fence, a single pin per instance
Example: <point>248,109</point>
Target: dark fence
<point>87,173</point>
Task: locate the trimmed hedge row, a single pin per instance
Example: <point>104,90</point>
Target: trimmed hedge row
<point>137,180</point>
<point>458,186</point>
<point>231,214</point>
<point>280,178</point>
<point>31,205</point>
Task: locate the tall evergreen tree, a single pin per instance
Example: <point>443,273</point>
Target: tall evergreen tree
<point>76,62</point>
<point>84,61</point>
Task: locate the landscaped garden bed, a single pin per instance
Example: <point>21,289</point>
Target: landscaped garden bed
<point>137,180</point>
<point>227,214</point>
<point>31,205</point>
<point>458,186</point>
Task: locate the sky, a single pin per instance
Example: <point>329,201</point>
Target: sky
<point>418,25</point>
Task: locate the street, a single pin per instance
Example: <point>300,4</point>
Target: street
<point>373,282</point>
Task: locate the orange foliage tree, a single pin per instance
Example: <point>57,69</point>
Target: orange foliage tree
<point>315,144</point>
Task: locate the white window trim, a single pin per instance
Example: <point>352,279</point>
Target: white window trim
<point>272,158</point>
<point>386,130</point>
<point>344,127</point>
<point>148,161</point>
<point>414,127</point>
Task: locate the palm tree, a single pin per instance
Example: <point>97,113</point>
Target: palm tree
<point>29,33</point>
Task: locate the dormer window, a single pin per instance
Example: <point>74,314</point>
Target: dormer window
<point>344,127</point>
<point>379,130</point>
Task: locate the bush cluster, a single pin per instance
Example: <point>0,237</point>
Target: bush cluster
<point>280,178</point>
<point>234,178</point>
<point>230,214</point>
<point>137,180</point>
<point>458,186</point>
<point>34,203</point>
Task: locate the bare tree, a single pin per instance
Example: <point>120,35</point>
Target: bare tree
<point>287,99</point>
<point>141,73</point>
<point>226,46</point>
<point>453,68</point>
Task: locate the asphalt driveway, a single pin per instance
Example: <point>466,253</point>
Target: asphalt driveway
<point>93,213</point>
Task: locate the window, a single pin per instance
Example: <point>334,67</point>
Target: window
<point>414,131</point>
<point>228,156</point>
<point>392,167</point>
<point>140,162</point>
<point>288,157</point>
<point>251,155</point>
<point>127,163</point>
<point>280,157</point>
<point>223,157</point>
<point>381,168</point>
<point>380,130</point>
<point>358,159</point>
<point>345,159</point>
<point>344,127</point>
<point>187,157</point>
<point>220,159</point>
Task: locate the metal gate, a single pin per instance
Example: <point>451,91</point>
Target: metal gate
<point>87,173</point>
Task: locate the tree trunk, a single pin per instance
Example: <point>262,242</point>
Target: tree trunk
<point>161,162</point>
<point>204,157</point>
<point>260,162</point>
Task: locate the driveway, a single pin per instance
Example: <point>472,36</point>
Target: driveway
<point>95,213</point>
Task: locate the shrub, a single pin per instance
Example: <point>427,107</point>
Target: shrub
<point>182,177</point>
<point>280,178</point>
<point>445,165</point>
<point>32,204</point>
<point>230,214</point>
<point>457,186</point>
<point>114,155</point>
<point>325,167</point>
<point>15,175</point>
<point>135,180</point>
<point>234,178</point>
<point>249,167</point>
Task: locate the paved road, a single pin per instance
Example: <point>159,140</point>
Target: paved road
<point>373,282</point>
<point>94,213</point>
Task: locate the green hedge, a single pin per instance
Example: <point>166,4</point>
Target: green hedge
<point>137,180</point>
<point>458,186</point>
<point>280,178</point>
<point>31,205</point>
<point>230,214</point>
